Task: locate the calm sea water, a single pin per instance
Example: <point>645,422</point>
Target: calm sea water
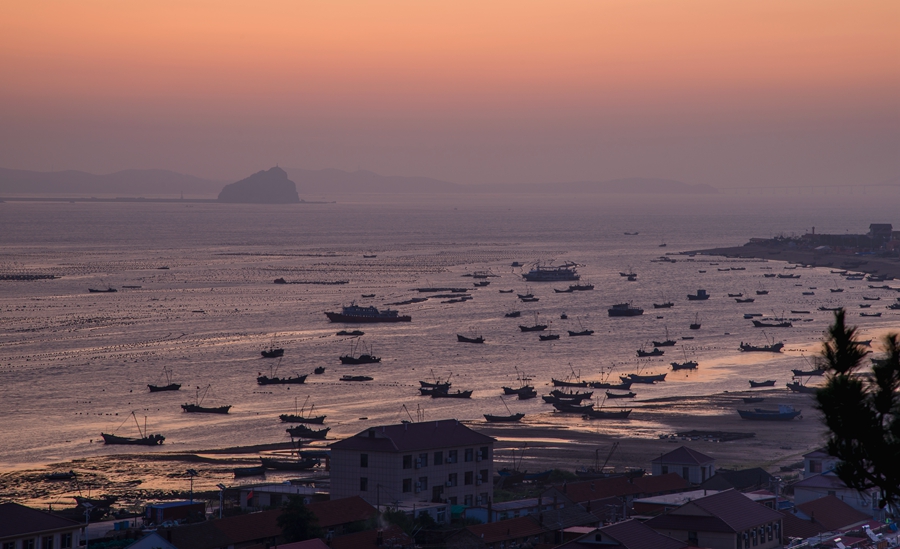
<point>74,364</point>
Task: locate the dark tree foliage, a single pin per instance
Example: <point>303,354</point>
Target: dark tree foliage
<point>862,411</point>
<point>297,522</point>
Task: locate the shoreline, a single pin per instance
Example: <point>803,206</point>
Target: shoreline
<point>869,264</point>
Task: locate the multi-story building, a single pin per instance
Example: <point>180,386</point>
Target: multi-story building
<point>26,528</point>
<point>432,461</point>
<point>691,465</point>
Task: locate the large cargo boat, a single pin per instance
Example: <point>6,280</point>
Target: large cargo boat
<point>356,314</point>
<point>541,273</point>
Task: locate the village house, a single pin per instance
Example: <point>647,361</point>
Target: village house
<point>827,514</point>
<point>828,484</point>
<point>597,493</point>
<point>22,527</point>
<point>726,520</point>
<point>655,505</point>
<point>628,534</point>
<point>818,461</point>
<point>436,461</point>
<point>742,480</point>
<point>691,465</point>
<point>263,496</point>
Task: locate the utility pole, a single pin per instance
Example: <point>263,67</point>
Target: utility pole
<point>221,488</point>
<point>192,473</point>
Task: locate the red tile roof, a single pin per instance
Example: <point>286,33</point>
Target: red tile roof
<point>18,520</point>
<point>632,534</point>
<point>242,528</point>
<point>796,527</point>
<point>657,484</point>
<point>507,529</point>
<point>732,509</point>
<point>392,536</point>
<point>832,513</point>
<point>601,488</point>
<point>308,544</point>
<point>341,511</point>
<point>684,455</point>
<point>410,437</point>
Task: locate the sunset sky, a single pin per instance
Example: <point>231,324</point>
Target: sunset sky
<point>727,93</point>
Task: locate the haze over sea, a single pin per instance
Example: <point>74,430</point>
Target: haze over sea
<point>73,363</point>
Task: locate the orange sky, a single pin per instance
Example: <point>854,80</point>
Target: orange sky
<point>501,91</point>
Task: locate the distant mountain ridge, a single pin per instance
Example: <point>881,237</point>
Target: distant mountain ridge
<point>125,182</point>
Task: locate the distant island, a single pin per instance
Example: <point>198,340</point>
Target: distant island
<point>270,186</point>
<point>285,186</point>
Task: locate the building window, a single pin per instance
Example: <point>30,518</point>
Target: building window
<point>469,477</point>
<point>665,469</point>
<point>28,543</point>
<point>47,542</point>
<point>363,484</point>
<point>407,462</point>
<point>468,500</point>
<point>407,485</point>
<point>483,477</point>
<point>470,454</point>
<point>452,479</point>
<point>832,493</point>
<point>9,545</point>
<point>363,460</point>
<point>442,516</point>
<point>439,458</point>
<point>815,466</point>
<point>423,483</point>
<point>65,541</point>
<point>483,452</point>
<point>423,460</point>
<point>483,498</point>
<point>452,456</point>
<point>451,500</point>
<point>692,538</point>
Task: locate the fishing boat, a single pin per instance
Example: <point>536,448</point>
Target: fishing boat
<point>876,315</point>
<point>464,339</point>
<point>505,291</point>
<point>169,386</point>
<point>606,414</point>
<point>665,343</point>
<point>664,305</point>
<point>767,383</point>
<point>624,386</point>
<point>624,309</point>
<point>259,470</point>
<point>696,324</point>
<point>813,372</point>
<point>145,439</point>
<point>535,327</point>
<point>363,358</point>
<point>701,295</point>
<point>503,419</point>
<point>274,380</point>
<point>581,287</point>
<point>787,275</point>
<point>736,295</point>
<point>357,314</point>
<point>745,300</point>
<point>527,395</point>
<point>567,383</point>
<point>655,352</point>
<point>199,409</point>
<point>569,408</point>
<point>354,333</point>
<point>566,291</point>
<point>629,394</point>
<point>686,365</point>
<point>772,347</point>
<point>348,377</point>
<point>637,378</point>
<point>752,400</point>
<point>550,273</point>
<point>302,416</point>
<point>797,387</point>
<point>302,431</point>
<point>289,464</point>
<point>783,413</point>
<point>581,333</point>
<point>769,275</point>
<point>271,353</point>
<point>319,370</point>
<point>448,394</point>
<point>571,395</point>
<point>762,292</point>
<point>513,314</point>
<point>782,324</point>
<point>548,337</point>
<point>106,291</point>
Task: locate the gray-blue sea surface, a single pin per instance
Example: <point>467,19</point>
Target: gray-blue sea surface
<point>196,297</point>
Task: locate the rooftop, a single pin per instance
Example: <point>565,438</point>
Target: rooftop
<point>411,437</point>
<point>728,511</point>
<point>684,455</point>
<point>507,529</point>
<point>832,513</point>
<point>341,511</point>
<point>684,497</point>
<point>17,520</point>
<point>628,534</point>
